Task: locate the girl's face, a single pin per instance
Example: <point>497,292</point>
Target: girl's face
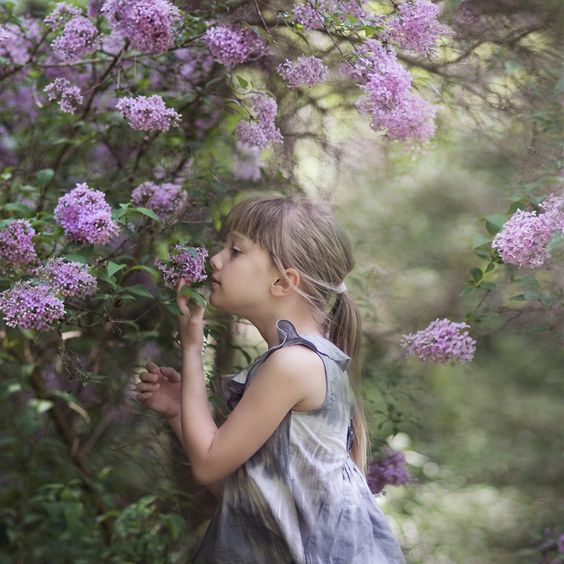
<point>243,273</point>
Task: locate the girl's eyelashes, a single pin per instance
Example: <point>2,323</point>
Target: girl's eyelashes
<point>235,251</point>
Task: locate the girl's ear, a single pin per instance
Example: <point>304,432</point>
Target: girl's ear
<point>281,287</point>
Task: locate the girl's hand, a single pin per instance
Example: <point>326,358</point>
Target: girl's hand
<point>191,323</point>
<point>159,390</point>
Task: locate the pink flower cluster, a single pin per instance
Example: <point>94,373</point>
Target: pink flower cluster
<point>305,71</point>
<point>148,24</point>
<point>389,469</point>
<point>232,45</point>
<point>388,99</point>
<point>85,216</point>
<point>79,38</point>
<point>31,306</point>
<point>263,131</point>
<point>441,342</point>
<point>148,113</point>
<point>61,14</point>
<point>18,42</point>
<point>69,96</point>
<point>16,245</point>
<point>524,239</point>
<point>166,200</point>
<point>67,278</point>
<point>183,262</point>
<point>416,28</point>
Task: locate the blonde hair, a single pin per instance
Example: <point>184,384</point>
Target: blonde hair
<point>302,233</point>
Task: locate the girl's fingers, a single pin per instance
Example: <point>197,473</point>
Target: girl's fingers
<point>148,377</point>
<point>147,387</point>
<point>170,373</point>
<point>152,367</point>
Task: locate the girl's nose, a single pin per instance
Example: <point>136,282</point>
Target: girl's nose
<point>214,262</point>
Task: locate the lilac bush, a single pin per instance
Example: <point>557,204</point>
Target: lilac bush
<point>31,306</point>
<point>304,71</point>
<point>441,342</point>
<point>148,24</point>
<point>388,469</point>
<point>67,278</point>
<point>263,131</point>
<point>148,113</point>
<point>16,245</point>
<point>183,262</point>
<point>68,96</point>
<point>232,45</point>
<point>79,38</point>
<point>85,216</point>
<point>524,239</point>
<point>166,200</point>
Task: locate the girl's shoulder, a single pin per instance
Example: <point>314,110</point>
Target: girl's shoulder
<point>233,385</point>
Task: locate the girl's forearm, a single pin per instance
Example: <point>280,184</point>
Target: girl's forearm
<point>215,488</point>
<point>197,424</point>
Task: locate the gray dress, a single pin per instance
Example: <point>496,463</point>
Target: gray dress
<point>300,498</point>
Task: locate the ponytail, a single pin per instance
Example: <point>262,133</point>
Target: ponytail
<point>343,326</point>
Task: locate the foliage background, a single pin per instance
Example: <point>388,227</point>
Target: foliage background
<point>82,461</point>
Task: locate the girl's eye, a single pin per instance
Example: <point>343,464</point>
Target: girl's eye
<point>235,251</point>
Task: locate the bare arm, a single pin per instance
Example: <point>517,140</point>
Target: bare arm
<point>216,488</point>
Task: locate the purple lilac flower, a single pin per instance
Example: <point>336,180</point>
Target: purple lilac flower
<point>16,245</point>
<point>147,23</point>
<point>441,342</point>
<point>61,14</point>
<point>166,200</point>
<point>183,262</point>
<point>69,96</point>
<point>263,131</point>
<point>232,45</point>
<point>19,41</point>
<point>416,28</point>
<point>193,66</point>
<point>389,469</point>
<point>3,34</point>
<point>148,113</point>
<point>95,8</point>
<point>67,278</point>
<point>31,306</point>
<point>305,71</point>
<point>387,94</point>
<point>524,238</point>
<point>85,216</point>
<point>79,38</point>
<point>311,14</point>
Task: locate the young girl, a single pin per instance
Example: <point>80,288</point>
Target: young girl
<point>288,463</point>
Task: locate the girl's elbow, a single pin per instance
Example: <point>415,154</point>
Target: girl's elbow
<point>206,474</point>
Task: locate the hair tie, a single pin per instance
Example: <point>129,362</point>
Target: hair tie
<point>341,288</point>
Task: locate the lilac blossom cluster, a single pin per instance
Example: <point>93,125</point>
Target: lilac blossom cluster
<point>62,14</point>
<point>305,71</point>
<point>441,342</point>
<point>18,42</point>
<point>263,131</point>
<point>166,200</point>
<point>79,37</point>
<point>67,278</point>
<point>31,305</point>
<point>416,27</point>
<point>388,99</point>
<point>314,14</point>
<point>148,24</point>
<point>85,216</point>
<point>524,239</point>
<point>69,96</point>
<point>232,45</point>
<point>148,113</point>
<point>16,245</point>
<point>389,469</point>
<point>183,262</point>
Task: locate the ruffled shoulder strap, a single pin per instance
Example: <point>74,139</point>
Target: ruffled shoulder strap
<point>233,385</point>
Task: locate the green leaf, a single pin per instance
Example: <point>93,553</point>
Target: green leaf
<point>476,274</point>
<point>114,267</point>
<point>44,176</point>
<point>139,290</point>
<point>488,285</point>
<point>153,271</point>
<point>242,82</point>
<point>76,258</point>
<point>148,213</point>
<point>14,206</point>
<point>540,329</point>
<point>490,267</point>
<point>480,241</point>
<point>518,298</point>
<point>494,223</point>
<point>40,405</point>
<point>173,308</point>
